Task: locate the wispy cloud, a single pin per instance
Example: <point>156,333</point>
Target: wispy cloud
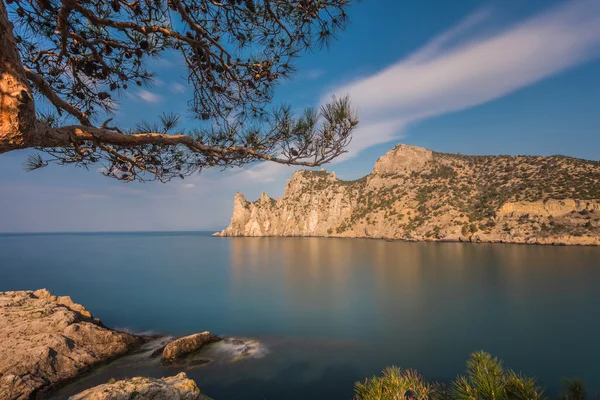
<point>470,64</point>
<point>264,172</point>
<point>148,96</point>
<point>374,133</point>
<point>177,88</point>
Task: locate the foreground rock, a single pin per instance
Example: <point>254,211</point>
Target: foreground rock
<point>46,340</point>
<point>178,387</point>
<point>186,345</point>
<point>417,194</point>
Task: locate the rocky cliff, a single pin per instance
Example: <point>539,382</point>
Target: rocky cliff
<point>418,194</point>
<point>46,340</point>
<point>178,387</point>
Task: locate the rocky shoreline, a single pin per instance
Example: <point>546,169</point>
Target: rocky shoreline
<point>474,239</point>
<point>47,341</point>
<point>178,387</point>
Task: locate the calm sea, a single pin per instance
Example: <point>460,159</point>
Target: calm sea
<point>327,311</point>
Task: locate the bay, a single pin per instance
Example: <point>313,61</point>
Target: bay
<point>328,312</point>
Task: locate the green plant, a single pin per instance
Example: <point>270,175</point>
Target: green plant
<point>395,384</point>
<point>83,57</point>
<point>473,228</point>
<point>574,389</point>
<point>484,379</point>
<point>465,229</point>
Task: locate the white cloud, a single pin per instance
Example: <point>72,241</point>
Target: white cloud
<point>471,64</point>
<point>371,134</point>
<point>177,88</point>
<point>148,96</point>
<point>247,177</point>
<point>264,172</point>
<point>252,177</point>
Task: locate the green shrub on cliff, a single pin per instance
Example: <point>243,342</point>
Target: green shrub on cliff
<point>395,384</point>
<point>485,378</point>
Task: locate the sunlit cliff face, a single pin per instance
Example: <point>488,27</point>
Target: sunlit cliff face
<point>417,194</point>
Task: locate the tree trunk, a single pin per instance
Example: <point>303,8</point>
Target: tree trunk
<point>17,108</point>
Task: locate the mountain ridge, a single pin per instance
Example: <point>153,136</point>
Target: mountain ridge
<point>419,194</point>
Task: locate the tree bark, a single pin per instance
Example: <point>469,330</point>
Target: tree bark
<point>17,108</point>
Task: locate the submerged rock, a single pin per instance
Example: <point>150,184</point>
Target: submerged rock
<point>46,340</point>
<point>186,345</point>
<point>240,349</point>
<point>200,362</point>
<point>178,387</point>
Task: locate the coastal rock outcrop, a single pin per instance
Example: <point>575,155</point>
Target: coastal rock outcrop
<point>46,340</point>
<point>178,387</point>
<point>403,158</point>
<point>186,345</point>
<point>418,194</point>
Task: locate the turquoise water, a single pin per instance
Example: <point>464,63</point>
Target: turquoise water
<point>328,311</point>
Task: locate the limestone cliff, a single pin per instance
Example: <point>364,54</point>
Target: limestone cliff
<point>417,194</point>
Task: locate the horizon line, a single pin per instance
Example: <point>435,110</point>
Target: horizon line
<point>107,231</point>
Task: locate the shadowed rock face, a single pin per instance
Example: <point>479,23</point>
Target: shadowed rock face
<point>186,345</point>
<point>417,194</point>
<point>46,340</point>
<point>178,387</point>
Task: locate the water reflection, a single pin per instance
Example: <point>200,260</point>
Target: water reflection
<point>429,305</point>
<point>329,310</point>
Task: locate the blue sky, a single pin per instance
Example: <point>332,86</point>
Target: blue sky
<point>476,77</point>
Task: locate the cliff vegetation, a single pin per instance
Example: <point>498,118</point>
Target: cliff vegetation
<point>418,194</point>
